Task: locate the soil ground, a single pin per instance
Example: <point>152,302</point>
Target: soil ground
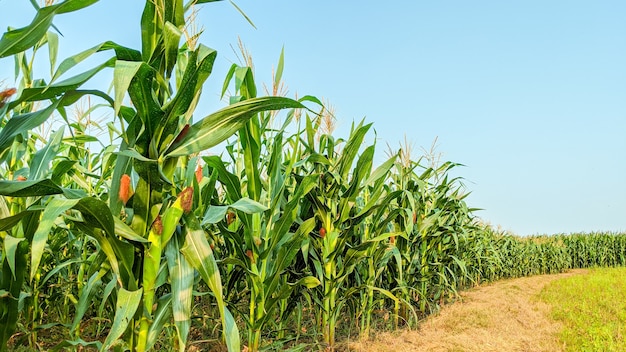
<point>501,316</point>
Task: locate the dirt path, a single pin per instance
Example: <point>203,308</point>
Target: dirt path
<point>503,316</point>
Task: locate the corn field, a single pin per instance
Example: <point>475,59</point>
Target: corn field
<point>291,238</point>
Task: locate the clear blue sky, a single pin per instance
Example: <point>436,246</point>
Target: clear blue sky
<point>529,95</point>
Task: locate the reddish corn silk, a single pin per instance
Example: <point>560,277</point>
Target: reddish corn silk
<point>186,199</point>
<point>199,173</point>
<point>250,255</point>
<point>124,193</point>
<point>21,178</point>
<point>157,225</point>
<point>6,94</point>
<point>230,217</point>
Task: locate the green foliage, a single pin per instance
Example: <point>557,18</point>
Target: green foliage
<point>589,307</point>
<point>145,242</point>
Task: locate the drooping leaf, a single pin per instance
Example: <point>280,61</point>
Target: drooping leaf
<point>18,40</point>
<point>10,221</point>
<point>86,298</point>
<point>122,75</point>
<point>29,188</point>
<point>182,279</point>
<point>216,213</point>
<point>125,308</point>
<point>53,209</point>
<point>199,254</point>
<point>23,123</point>
<point>122,53</point>
<point>73,345</point>
<point>217,127</point>
<point>13,285</point>
<point>67,85</point>
<point>159,319</point>
<point>243,14</point>
<point>97,214</point>
<point>10,250</point>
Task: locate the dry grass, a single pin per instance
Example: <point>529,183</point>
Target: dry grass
<point>503,316</point>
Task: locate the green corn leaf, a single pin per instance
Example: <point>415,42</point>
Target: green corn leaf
<point>352,148</point>
<point>222,124</point>
<point>74,345</point>
<point>29,188</point>
<point>279,69</point>
<point>53,209</point>
<point>23,123</point>
<point>97,214</point>
<point>57,89</point>
<point>74,5</point>
<point>171,38</point>
<point>309,282</point>
<point>385,292</point>
<point>126,232</point>
<point>216,213</point>
<point>381,171</point>
<point>85,299</point>
<point>181,279</point>
<point>10,221</point>
<point>160,318</point>
<point>243,14</point>
<point>361,170</point>
<point>13,285</point>
<point>123,73</point>
<point>199,67</point>
<point>106,293</point>
<point>149,29</point>
<point>287,250</point>
<point>244,83</point>
<point>141,93</point>
<point>53,49</point>
<point>385,236</point>
<point>134,154</point>
<point>41,160</point>
<point>228,179</point>
<point>195,2</point>
<point>58,268</point>
<point>122,53</point>
<point>107,247</point>
<point>18,40</point>
<point>229,77</point>
<point>125,308</point>
<point>10,247</point>
<point>249,137</point>
<point>199,254</point>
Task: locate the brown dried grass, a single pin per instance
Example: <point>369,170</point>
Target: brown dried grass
<point>502,316</point>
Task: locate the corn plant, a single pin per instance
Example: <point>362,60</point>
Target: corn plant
<point>267,232</point>
<point>338,249</point>
<point>289,216</point>
<point>135,230</point>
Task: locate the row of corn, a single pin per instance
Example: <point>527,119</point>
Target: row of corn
<point>290,238</point>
